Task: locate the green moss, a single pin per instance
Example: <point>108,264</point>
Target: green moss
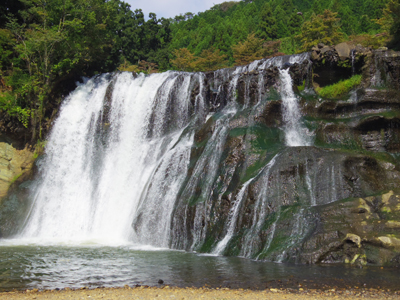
<point>345,64</point>
<point>39,148</point>
<point>255,168</point>
<point>208,245</point>
<point>339,89</point>
<point>235,132</point>
<point>233,248</point>
<point>266,138</point>
<point>270,220</point>
<point>302,87</point>
<point>15,178</point>
<point>273,95</point>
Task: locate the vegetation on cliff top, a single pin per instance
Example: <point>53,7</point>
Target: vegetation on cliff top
<point>340,88</point>
<point>47,45</point>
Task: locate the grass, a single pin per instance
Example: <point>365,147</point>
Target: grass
<point>339,89</point>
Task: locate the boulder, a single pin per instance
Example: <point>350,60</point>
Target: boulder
<point>343,50</point>
<point>326,49</point>
<point>13,164</point>
<point>354,239</point>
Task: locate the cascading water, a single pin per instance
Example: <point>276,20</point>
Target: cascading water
<point>295,132</point>
<point>353,58</point>
<point>130,143</point>
<point>94,180</point>
<point>233,216</point>
<point>260,211</point>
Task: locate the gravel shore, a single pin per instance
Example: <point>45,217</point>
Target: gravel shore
<point>199,293</point>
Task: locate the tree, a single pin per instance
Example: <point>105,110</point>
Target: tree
<point>316,7</point>
<point>248,51</point>
<point>268,28</point>
<point>55,40</point>
<point>282,22</point>
<point>349,24</point>
<point>9,8</point>
<point>253,49</point>
<point>184,60</point>
<point>210,60</point>
<point>323,28</point>
<point>7,43</point>
<point>390,22</point>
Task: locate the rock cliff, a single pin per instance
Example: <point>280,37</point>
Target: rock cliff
<point>251,192</point>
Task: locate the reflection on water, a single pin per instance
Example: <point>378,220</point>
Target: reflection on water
<point>50,267</point>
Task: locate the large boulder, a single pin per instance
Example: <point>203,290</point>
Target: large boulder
<point>343,50</point>
<point>13,164</point>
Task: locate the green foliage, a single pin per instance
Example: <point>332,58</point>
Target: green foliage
<point>45,45</point>
<point>39,148</point>
<point>268,26</point>
<point>302,87</point>
<point>208,60</point>
<point>6,46</point>
<point>392,18</point>
<point>324,28</point>
<point>289,45</point>
<point>339,89</point>
<point>8,105</point>
<point>369,40</point>
<point>252,49</point>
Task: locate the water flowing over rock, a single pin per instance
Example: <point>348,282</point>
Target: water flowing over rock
<point>247,161</point>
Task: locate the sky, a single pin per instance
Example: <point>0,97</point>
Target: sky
<point>172,8</point>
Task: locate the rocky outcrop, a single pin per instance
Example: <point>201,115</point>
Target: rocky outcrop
<point>313,204</point>
<point>356,231</point>
<point>15,166</point>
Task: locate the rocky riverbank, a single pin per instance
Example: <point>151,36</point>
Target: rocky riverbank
<point>201,293</point>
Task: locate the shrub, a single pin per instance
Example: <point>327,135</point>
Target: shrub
<point>340,88</point>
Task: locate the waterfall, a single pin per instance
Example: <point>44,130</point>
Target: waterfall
<point>280,61</point>
<point>295,132</point>
<point>143,160</point>
<point>353,58</point>
<point>259,212</point>
<point>310,186</point>
<point>233,217</point>
<point>204,174</point>
<point>103,162</point>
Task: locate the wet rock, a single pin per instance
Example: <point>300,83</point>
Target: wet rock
<point>360,222</point>
<point>353,238</point>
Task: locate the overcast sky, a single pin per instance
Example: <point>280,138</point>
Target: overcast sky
<point>172,8</point>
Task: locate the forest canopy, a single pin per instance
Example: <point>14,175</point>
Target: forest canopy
<point>47,45</point>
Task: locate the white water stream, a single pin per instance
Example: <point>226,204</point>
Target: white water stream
<point>94,182</point>
<point>118,159</point>
<point>295,132</point>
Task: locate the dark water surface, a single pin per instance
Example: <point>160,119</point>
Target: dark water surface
<point>50,267</point>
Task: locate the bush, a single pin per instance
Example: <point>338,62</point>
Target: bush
<point>339,89</point>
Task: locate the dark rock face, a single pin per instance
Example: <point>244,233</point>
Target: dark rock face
<point>358,231</point>
<point>304,204</point>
